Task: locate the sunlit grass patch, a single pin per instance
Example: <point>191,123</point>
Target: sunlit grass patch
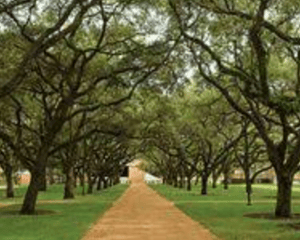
<point>56,219</point>
<point>226,214</point>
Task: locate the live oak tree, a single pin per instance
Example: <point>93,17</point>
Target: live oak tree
<point>251,156</point>
<point>187,135</point>
<point>217,134</point>
<point>99,52</point>
<point>8,164</point>
<point>249,51</point>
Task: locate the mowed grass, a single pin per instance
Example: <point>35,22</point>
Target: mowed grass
<point>59,220</point>
<point>222,211</point>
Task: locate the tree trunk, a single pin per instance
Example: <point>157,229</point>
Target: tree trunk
<point>181,180</point>
<point>226,180</point>
<point>248,186</point>
<point>51,176</point>
<point>197,180</point>
<point>75,176</point>
<point>104,183</point>
<point>99,184</point>
<point>69,184</point>
<point>43,180</point>
<point>284,195</point>
<point>90,187</point>
<point>37,181</point>
<point>81,179</point>
<point>83,190</point>
<point>214,179</point>
<point>189,186</point>
<point>29,203</point>
<point>116,179</point>
<point>9,181</point>
<point>175,181</point>
<point>91,182</point>
<point>204,181</point>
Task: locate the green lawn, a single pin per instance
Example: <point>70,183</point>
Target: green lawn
<point>69,220</point>
<point>223,211</point>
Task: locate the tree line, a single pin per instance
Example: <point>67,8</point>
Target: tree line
<point>80,73</point>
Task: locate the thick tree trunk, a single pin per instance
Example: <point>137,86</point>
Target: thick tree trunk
<point>37,182</point>
<point>69,184</point>
<point>204,181</point>
<point>43,180</point>
<point>9,181</point>
<point>284,195</point>
<point>29,202</point>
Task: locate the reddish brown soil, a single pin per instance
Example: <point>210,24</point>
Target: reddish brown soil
<point>141,214</point>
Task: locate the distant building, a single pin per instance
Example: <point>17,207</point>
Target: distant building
<point>268,176</point>
<point>148,178</point>
<point>23,177</point>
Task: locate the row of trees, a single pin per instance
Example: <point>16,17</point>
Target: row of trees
<point>72,62</point>
<point>189,136</point>
<point>66,66</point>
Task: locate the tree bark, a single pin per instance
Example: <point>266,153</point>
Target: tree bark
<point>181,181</point>
<point>104,183</point>
<point>284,195</point>
<point>9,181</point>
<point>248,187</point>
<point>204,181</point>
<point>81,179</point>
<point>91,182</point>
<point>197,180</point>
<point>226,180</point>
<point>189,185</point>
<point>43,180</point>
<point>214,179</point>
<point>75,176</point>
<point>29,203</point>
<point>51,176</point>
<point>69,184</point>
<point>99,184</point>
<point>116,179</point>
<point>90,187</point>
<point>175,181</point>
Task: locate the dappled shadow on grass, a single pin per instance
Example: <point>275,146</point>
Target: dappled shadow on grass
<point>14,211</point>
<point>294,225</point>
<point>270,216</point>
<point>274,197</point>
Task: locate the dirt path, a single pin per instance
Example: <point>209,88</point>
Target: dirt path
<point>141,214</point>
